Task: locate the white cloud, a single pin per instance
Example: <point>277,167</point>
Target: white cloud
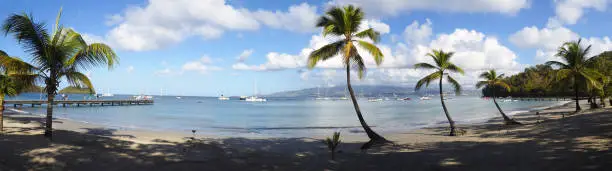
<point>90,38</point>
<point>278,61</point>
<point>570,11</point>
<point>201,66</point>
<point>299,18</point>
<point>416,33</point>
<point>130,69</point>
<point>547,40</point>
<point>161,23</point>
<point>244,55</point>
<point>394,7</point>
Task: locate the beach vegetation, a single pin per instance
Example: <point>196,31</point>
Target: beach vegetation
<point>332,144</point>
<point>442,67</point>
<point>493,80</point>
<point>15,76</point>
<point>61,54</point>
<point>345,24</point>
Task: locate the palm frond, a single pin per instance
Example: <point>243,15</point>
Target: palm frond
<point>369,33</point>
<point>78,79</point>
<point>503,85</point>
<point>94,55</point>
<point>424,66</point>
<point>30,35</point>
<point>454,68</point>
<point>373,50</point>
<point>427,79</point>
<point>357,63</point>
<point>454,83</point>
<point>557,63</point>
<point>324,53</point>
<point>481,84</point>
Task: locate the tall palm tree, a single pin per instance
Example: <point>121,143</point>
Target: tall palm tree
<point>15,76</point>
<point>492,81</point>
<point>442,67</point>
<point>344,23</point>
<point>60,55</point>
<point>574,66</point>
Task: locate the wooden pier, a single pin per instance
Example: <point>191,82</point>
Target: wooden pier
<point>78,103</point>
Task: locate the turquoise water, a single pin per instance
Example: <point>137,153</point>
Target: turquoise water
<point>284,117</point>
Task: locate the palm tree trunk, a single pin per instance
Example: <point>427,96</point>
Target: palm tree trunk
<point>49,118</point>
<point>374,137</point>
<point>576,91</point>
<point>450,120</point>
<point>1,113</point>
<point>507,119</point>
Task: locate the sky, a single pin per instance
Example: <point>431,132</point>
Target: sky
<point>242,47</point>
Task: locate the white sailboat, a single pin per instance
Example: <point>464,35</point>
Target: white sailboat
<point>107,93</point>
<point>254,98</point>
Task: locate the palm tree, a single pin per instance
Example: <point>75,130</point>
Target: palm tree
<point>60,55</point>
<point>574,66</point>
<point>15,76</point>
<point>442,67</point>
<point>492,81</point>
<point>344,23</point>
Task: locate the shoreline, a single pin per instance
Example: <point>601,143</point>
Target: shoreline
<point>147,135</point>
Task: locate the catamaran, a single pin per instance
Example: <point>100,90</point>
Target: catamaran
<point>107,93</point>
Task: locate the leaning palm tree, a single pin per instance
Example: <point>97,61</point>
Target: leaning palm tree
<point>492,81</point>
<point>574,67</point>
<point>442,67</point>
<point>344,23</point>
<point>15,76</point>
<point>63,54</point>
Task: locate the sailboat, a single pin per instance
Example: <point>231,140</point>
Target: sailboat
<point>254,98</point>
<point>345,97</point>
<point>107,93</point>
<point>319,97</point>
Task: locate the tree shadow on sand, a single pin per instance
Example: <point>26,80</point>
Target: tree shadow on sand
<point>545,146</point>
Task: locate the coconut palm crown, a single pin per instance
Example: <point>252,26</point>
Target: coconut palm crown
<point>574,66</point>
<point>59,55</point>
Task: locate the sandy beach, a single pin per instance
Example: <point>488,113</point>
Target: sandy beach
<point>557,139</point>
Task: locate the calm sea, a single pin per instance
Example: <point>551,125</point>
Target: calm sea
<point>283,117</point>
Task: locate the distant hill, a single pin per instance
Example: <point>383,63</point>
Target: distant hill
<point>34,89</point>
<point>75,90</point>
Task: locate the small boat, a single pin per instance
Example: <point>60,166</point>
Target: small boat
<point>375,100</point>
<point>255,99</point>
<point>407,98</point>
<point>343,98</point>
<point>223,97</point>
<point>142,97</point>
<point>243,97</point>
<point>425,98</point>
<point>108,94</point>
<point>178,97</point>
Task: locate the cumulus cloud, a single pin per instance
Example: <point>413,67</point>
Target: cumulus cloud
<point>570,11</point>
<point>162,23</point>
<point>201,66</point>
<point>547,40</point>
<point>474,51</point>
<point>394,7</point>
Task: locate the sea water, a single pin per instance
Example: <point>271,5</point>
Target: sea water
<point>282,117</point>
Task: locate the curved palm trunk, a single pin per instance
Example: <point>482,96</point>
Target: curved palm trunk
<point>507,119</point>
<point>1,112</point>
<point>374,137</point>
<point>576,91</point>
<point>450,120</point>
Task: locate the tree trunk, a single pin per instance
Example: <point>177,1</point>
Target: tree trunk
<point>576,91</point>
<point>49,118</point>
<point>374,137</point>
<point>507,119</point>
<point>1,113</point>
<point>450,120</point>
<point>603,101</point>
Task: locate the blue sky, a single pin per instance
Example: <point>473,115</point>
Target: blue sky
<point>192,47</point>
